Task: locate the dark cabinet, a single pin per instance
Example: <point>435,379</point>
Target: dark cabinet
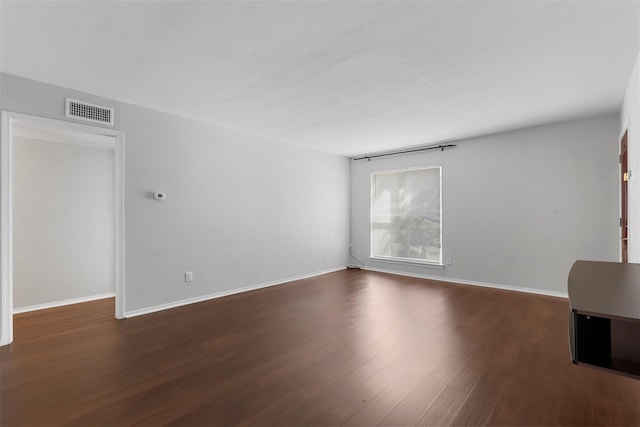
<point>604,321</point>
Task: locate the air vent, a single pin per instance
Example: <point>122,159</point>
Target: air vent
<point>88,112</point>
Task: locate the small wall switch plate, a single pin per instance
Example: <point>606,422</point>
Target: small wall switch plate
<point>188,276</point>
<point>449,260</point>
<point>160,196</point>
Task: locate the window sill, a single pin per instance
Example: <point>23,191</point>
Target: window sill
<point>409,262</point>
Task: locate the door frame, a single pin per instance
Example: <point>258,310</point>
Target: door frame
<point>624,192</point>
<point>9,120</point>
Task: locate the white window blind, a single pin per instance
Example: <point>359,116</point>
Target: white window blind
<point>406,215</point>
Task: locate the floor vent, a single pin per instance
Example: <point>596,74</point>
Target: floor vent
<point>89,112</point>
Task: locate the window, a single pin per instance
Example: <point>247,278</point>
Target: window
<point>406,212</point>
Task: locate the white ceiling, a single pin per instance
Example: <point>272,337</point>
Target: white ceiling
<point>341,77</point>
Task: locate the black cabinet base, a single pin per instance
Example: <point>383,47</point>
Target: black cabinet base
<point>609,343</point>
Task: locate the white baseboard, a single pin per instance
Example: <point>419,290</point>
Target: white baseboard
<point>207,297</point>
<point>472,283</point>
<point>63,302</point>
<point>215,295</point>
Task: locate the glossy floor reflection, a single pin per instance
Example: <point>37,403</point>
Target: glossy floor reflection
<point>346,348</point>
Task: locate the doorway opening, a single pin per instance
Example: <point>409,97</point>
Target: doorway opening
<point>18,128</point>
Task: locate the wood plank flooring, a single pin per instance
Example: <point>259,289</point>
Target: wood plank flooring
<point>348,348</point>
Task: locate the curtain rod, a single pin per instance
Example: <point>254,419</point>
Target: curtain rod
<point>395,153</point>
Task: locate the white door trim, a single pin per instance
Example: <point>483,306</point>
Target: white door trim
<point>9,119</point>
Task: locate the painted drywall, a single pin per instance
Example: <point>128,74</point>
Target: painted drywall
<point>63,246</point>
<point>630,119</point>
<point>518,207</point>
<point>240,211</point>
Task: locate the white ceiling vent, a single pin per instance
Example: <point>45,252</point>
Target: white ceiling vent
<point>89,112</point>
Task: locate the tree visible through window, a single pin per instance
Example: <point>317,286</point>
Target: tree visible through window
<point>406,215</point>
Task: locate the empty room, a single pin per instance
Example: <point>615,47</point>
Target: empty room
<point>320,213</point>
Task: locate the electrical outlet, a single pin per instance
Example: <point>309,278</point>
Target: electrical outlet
<point>188,276</point>
<point>449,260</point>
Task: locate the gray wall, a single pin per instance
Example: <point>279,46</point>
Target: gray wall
<point>62,222</point>
<point>240,211</point>
<point>518,208</point>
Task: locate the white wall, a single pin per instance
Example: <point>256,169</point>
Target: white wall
<point>62,222</point>
<point>518,207</point>
<point>240,211</point>
<point>630,119</point>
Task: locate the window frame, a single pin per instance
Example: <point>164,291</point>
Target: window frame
<point>372,177</point>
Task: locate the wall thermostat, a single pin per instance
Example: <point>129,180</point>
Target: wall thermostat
<point>160,196</point>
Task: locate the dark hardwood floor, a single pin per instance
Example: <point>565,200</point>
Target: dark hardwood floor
<point>347,348</point>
